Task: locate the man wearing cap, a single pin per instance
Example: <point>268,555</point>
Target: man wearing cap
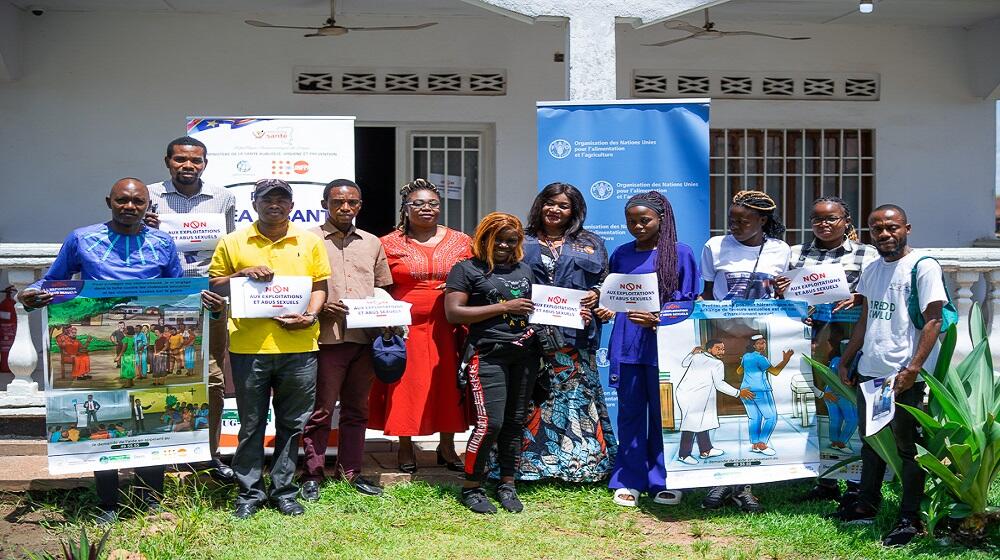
<point>272,354</point>
<point>345,355</point>
<point>186,193</point>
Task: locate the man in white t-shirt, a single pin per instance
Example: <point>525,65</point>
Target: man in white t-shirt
<point>890,343</point>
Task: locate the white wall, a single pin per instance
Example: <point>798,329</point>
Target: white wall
<point>935,141</point>
<point>101,95</point>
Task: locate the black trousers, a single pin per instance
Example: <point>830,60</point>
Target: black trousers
<point>501,379</point>
<point>292,380</point>
<point>687,443</point>
<point>905,430</point>
<point>148,485</point>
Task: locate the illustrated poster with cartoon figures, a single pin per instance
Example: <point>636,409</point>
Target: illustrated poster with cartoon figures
<point>126,365</point>
<point>736,396</point>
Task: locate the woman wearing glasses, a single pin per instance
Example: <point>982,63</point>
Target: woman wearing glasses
<point>835,241</point>
<point>426,400</point>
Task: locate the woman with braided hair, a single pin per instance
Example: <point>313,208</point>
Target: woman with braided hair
<point>639,464</point>
<point>426,400</point>
<point>835,241</point>
<point>744,265</point>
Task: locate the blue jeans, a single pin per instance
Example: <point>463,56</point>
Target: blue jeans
<point>763,416</point>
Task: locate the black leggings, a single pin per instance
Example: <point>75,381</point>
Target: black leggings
<point>501,379</point>
<point>148,485</point>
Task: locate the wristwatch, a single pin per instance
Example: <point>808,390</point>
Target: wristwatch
<point>311,315</point>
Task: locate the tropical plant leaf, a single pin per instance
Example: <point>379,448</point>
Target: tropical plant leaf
<point>934,466</point>
<point>838,466</point>
<point>832,379</point>
<point>925,420</point>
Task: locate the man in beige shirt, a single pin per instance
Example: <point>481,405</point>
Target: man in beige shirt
<point>346,372</point>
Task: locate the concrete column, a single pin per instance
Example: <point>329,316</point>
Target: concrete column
<point>590,52</point>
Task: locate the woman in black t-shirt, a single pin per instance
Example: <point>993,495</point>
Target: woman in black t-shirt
<point>491,293</point>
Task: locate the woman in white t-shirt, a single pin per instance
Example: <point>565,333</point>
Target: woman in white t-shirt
<point>744,265</point>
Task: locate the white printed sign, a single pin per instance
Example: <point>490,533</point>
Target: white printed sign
<point>374,312</point>
<point>825,283</point>
<point>556,306</point>
<point>194,232</point>
<point>631,292</point>
<point>253,299</point>
<point>880,403</point>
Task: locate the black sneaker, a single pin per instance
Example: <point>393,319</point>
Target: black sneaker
<point>509,501</point>
<point>746,501</point>
<point>855,513</point>
<point>475,499</point>
<point>717,497</point>
<point>904,532</point>
<point>821,493</point>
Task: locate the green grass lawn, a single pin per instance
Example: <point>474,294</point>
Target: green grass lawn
<point>419,520</point>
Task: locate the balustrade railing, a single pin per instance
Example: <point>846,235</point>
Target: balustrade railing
<point>973,275</point>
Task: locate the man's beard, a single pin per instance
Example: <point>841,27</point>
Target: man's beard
<point>186,182</point>
<point>898,251</point>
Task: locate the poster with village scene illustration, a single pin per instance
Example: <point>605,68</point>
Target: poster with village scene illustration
<point>126,370</point>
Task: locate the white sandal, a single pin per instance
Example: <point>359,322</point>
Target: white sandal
<point>668,497</point>
<point>626,497</point>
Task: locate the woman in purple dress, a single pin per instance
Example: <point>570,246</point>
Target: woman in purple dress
<point>639,465</point>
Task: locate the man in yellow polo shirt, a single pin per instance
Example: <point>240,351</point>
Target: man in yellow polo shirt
<point>278,354</point>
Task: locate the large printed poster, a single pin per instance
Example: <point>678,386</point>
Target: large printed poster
<point>126,365</point>
<point>307,152</point>
<point>613,150</point>
<point>735,393</point>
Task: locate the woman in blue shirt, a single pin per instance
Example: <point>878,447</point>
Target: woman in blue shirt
<point>760,407</point>
<point>639,464</point>
<point>569,435</point>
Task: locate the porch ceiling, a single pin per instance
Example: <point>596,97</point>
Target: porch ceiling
<point>944,13</point>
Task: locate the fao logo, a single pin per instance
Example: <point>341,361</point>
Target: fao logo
<point>602,358</point>
<point>602,190</point>
<point>560,148</point>
<point>243,166</point>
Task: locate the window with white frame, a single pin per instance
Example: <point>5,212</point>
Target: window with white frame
<point>453,162</point>
<point>794,166</point>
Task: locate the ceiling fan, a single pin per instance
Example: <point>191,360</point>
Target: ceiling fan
<point>708,31</point>
<point>331,29</point>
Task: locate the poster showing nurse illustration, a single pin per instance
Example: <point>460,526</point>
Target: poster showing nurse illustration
<point>737,402</point>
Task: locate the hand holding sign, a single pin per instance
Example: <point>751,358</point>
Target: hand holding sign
<point>631,292</point>
<point>375,312</point>
<point>560,307</point>
<point>281,296</point>
<point>193,232</point>
<point>825,283</point>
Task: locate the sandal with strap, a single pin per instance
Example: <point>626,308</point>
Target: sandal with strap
<point>626,497</point>
<point>668,497</point>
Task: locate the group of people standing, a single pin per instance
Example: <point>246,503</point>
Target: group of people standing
<point>142,351</point>
<point>531,393</point>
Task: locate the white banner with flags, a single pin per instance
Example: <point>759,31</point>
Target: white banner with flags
<point>307,152</point>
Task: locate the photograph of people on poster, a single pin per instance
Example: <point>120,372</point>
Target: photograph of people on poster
<point>736,403</point>
<point>122,343</point>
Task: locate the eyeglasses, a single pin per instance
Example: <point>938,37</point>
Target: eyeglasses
<point>830,220</point>
<point>422,203</point>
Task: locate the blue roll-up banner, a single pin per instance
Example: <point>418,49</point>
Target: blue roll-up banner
<point>613,150</point>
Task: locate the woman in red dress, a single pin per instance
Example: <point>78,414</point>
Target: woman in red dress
<point>426,400</point>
